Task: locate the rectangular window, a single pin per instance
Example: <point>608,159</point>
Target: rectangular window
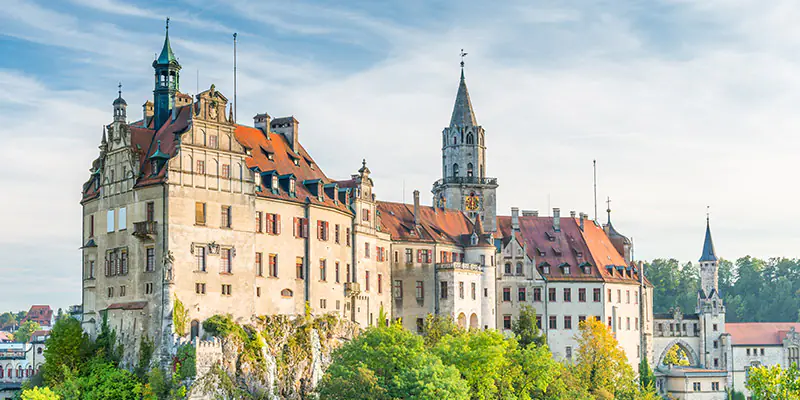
<point>553,322</point>
<point>338,304</point>
<point>323,303</point>
<point>409,256</point>
<point>201,167</point>
<point>91,225</point>
<point>582,295</point>
<point>336,271</point>
<point>122,291</point>
<point>111,292</point>
<point>483,259</point>
<point>609,295</point>
<point>110,221</point>
<point>336,234</point>
<point>715,385</point>
<point>258,291</point>
<point>537,294</point>
<point>200,258</point>
<point>716,363</point>
<point>519,268</point>
<point>714,327</point>
<point>148,288</point>
<point>506,294</point>
<point>259,264</point>
<point>225,216</point>
<point>300,227</point>
<point>443,289</point>
<point>322,230</point>
<point>521,295</point>
<point>636,324</point>
<point>259,222</point>
<point>596,295</point>
<point>567,295</point>
<point>716,344</point>
<point>150,263</point>
<point>420,325</point>
<point>636,297</point>
<point>380,283</point>
<point>366,250</point>
<point>619,296</point>
<point>610,321</point>
<point>696,386</point>
<point>200,213</point>
<point>567,322</point>
<point>323,269</point>
<point>628,323</point>
<point>397,289</point>
<point>227,290</point>
<point>551,295</point>
<point>627,297</point>
<point>273,265</point>
<point>366,281</point>
<point>539,321</point>
<point>226,171</point>
<point>150,211</point>
<point>365,214</point>
<point>473,291</point>
<point>506,322</point>
<point>347,237</point>
<point>225,261</point>
<point>420,293</point>
<point>581,318</point>
<point>348,277</point>
<point>212,141</point>
<point>123,218</point>
<point>299,267</point>
<point>200,288</point>
<point>568,353</point>
<point>91,269</point>
<point>460,290</point>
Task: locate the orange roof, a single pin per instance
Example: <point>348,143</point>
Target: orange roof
<point>759,333</point>
<point>133,305</point>
<point>42,314</point>
<point>436,225</point>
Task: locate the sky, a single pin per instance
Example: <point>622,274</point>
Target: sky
<point>684,104</point>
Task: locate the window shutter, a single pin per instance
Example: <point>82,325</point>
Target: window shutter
<point>419,256</point>
<point>277,218</point>
<point>319,230</point>
<point>270,218</point>
<point>295,230</point>
<point>430,255</point>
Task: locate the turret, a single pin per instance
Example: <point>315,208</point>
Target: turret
<point>167,82</point>
<point>120,107</point>
<point>709,269</point>
<point>620,242</point>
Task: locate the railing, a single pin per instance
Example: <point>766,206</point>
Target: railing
<point>459,265</point>
<point>351,289</point>
<point>466,180</point>
<point>144,228</point>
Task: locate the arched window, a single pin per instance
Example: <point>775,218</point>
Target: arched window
<point>455,139</point>
<point>519,268</point>
<point>469,170</point>
<point>19,371</point>
<point>29,372</point>
<point>455,170</point>
<point>195,329</point>
<point>470,138</point>
<point>2,372</point>
<point>508,269</point>
<point>287,292</point>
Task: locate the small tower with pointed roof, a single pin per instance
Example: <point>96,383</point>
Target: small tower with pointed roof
<point>167,82</point>
<point>120,107</point>
<point>620,242</point>
<point>464,185</point>
<point>709,268</point>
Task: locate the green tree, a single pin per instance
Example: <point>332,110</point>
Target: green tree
<point>393,360</point>
<point>601,364</point>
<point>438,326</point>
<point>106,346</point>
<point>774,383</point>
<point>482,358</point>
<point>103,381</point>
<point>646,377</point>
<point>7,320</point>
<point>525,328</point>
<point>25,331</point>
<point>39,394</point>
<point>675,356</point>
<point>180,317</point>
<point>68,348</point>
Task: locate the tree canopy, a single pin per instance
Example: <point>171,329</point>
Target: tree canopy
<point>26,330</point>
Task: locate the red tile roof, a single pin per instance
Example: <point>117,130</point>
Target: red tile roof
<point>759,333</point>
<point>436,225</point>
<point>133,305</point>
<point>42,314</point>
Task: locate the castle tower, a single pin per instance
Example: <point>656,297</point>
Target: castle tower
<point>464,185</point>
<point>709,269</point>
<point>167,82</point>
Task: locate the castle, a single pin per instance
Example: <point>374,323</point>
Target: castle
<point>185,205</point>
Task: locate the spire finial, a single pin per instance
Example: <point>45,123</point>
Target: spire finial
<point>708,215</point>
<point>363,162</point>
<point>462,58</point>
<point>119,89</point>
<point>608,209</point>
<point>167,25</point>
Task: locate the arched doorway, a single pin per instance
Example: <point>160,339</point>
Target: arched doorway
<point>473,321</point>
<point>462,320</point>
<point>195,329</point>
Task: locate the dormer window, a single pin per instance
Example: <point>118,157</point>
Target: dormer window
<point>154,167</point>
<point>296,162</point>
<point>474,239</point>
<point>275,183</point>
<point>291,187</point>
<point>270,157</point>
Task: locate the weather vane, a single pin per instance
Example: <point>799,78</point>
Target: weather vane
<point>462,57</point>
<point>119,87</point>
<point>167,23</point>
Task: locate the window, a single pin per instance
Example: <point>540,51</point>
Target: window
<point>347,237</point>
<point>567,295</point>
<point>420,325</point>
<point>110,221</point>
<point>460,290</point>
<point>610,321</point>
<point>397,289</point>
<point>259,264</point>
<point>148,288</point>
<point>568,352</point>
<point>366,281</point>
<point>521,294</point>
<point>380,283</point>
<point>212,141</point>
<point>336,234</point>
<point>539,321</point>
<point>273,225</point>
<point>424,256</point>
<point>443,289</point>
<point>628,323</point>
<point>91,270</point>
<point>122,291</point>
<point>716,344</point>
<point>567,322</point>
<point>111,292</point>
<point>551,295</point>
<point>299,266</point>
<point>483,259</point>
<point>366,250</point>
<point>473,290</point>
<point>259,222</point>
<point>636,297</point>
<point>581,318</point>
<point>199,213</point>
<point>716,363</point>
<point>123,261</point>
<point>323,269</point>
<point>225,217</point>
<point>200,288</point>
<point>582,295</point>
<point>91,234</point>
<point>636,324</point>
<point>225,261</point>
<point>715,327</point>
<point>348,277</point>
<point>226,290</point>
<point>715,385</point>
<point>762,351</point>
<point>553,322</point>
<point>537,294</point>
<point>201,167</point>
<point>409,256</point>
<point>508,269</point>
<point>336,271</point>
<point>519,268</point>
<point>258,291</point>
<point>794,355</point>
<point>123,218</point>
<point>609,295</point>
<point>619,295</point>
<point>150,263</point>
<point>696,386</point>
<point>300,227</point>
<point>628,297</point>
<point>322,230</point>
<point>506,294</point>
<point>226,171</point>
<point>420,293</point>
<point>506,322</point>
<point>365,214</point>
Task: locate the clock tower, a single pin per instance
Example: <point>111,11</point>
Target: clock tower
<point>464,185</point>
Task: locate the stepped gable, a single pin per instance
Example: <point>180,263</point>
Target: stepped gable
<point>435,225</point>
<point>283,163</point>
<point>569,245</point>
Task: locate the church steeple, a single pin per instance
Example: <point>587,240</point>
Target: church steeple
<point>463,114</point>
<point>167,82</point>
<point>709,255</point>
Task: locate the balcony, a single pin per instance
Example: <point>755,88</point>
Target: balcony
<point>459,266</point>
<point>351,289</point>
<point>466,180</point>
<point>144,229</point>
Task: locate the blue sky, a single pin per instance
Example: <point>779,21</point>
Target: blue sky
<point>684,104</point>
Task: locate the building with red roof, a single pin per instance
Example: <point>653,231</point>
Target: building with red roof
<point>41,314</point>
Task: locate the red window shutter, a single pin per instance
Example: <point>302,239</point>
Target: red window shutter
<point>295,230</point>
<point>319,230</point>
<point>419,256</point>
<point>430,255</point>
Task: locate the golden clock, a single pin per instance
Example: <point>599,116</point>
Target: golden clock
<point>472,203</point>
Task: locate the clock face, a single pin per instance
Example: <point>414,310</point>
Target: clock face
<point>472,202</point>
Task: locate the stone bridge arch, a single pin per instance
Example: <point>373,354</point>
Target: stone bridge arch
<point>691,354</point>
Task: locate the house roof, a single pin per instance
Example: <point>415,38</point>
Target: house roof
<point>42,314</point>
<point>435,225</point>
<point>133,305</point>
<point>759,333</point>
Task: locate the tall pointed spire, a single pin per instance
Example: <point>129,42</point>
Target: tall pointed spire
<point>463,115</point>
<point>166,56</point>
<point>708,245</point>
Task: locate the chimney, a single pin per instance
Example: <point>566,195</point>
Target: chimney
<point>515,218</point>
<point>572,214</point>
<point>583,219</point>
<point>289,127</point>
<point>416,208</point>
<point>147,112</point>
<point>557,219</point>
<point>261,121</point>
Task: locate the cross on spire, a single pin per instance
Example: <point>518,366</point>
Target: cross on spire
<point>167,24</point>
<point>119,89</point>
<point>708,214</point>
<point>608,208</point>
<point>463,54</point>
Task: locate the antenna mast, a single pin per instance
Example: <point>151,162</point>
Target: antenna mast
<point>235,103</point>
<point>594,167</point>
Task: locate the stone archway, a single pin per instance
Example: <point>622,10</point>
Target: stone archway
<point>473,321</point>
<point>462,320</point>
<point>691,354</point>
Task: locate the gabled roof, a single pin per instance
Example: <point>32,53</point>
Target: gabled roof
<point>708,246</point>
<point>435,225</point>
<point>463,115</point>
<point>760,333</point>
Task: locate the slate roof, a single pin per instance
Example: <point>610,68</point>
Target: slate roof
<point>708,246</point>
<point>759,333</point>
<point>463,115</point>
